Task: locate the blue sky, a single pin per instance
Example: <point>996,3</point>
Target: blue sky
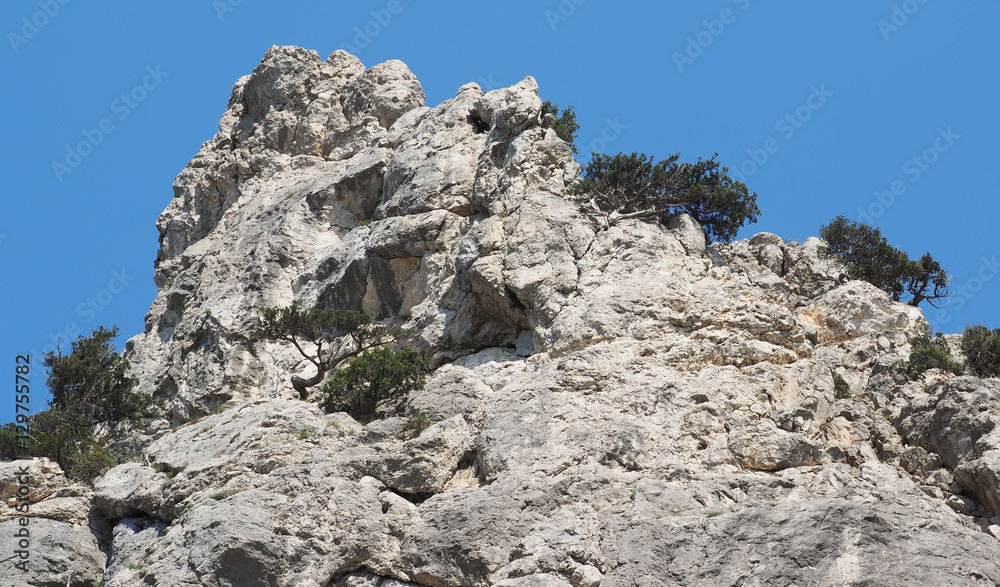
<point>824,108</point>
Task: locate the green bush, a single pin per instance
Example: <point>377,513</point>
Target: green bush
<point>867,255</point>
<point>69,441</point>
<point>10,445</point>
<point>981,347</point>
<point>566,125</point>
<point>841,389</point>
<point>376,375</point>
<point>416,424</point>
<point>927,352</point>
<point>634,186</point>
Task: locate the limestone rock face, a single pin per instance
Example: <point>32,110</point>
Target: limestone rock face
<point>63,534</point>
<point>631,406</point>
<point>956,420</point>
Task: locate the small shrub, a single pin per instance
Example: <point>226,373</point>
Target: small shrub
<point>376,375</point>
<point>981,347</point>
<point>416,424</point>
<point>92,390</point>
<point>927,352</point>
<point>566,125</point>
<point>841,389</point>
<point>93,463</point>
<point>303,434</point>
<point>167,470</point>
<point>224,494</point>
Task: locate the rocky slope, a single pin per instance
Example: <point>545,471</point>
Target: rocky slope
<point>620,407</point>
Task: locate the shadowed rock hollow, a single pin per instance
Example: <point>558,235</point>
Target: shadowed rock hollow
<point>620,407</point>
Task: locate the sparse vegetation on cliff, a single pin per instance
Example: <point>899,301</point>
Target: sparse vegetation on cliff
<point>618,187</point>
<point>981,347</point>
<point>867,255</point>
<point>375,376</point>
<point>334,336</point>
<point>566,125</point>
<point>928,352</point>
<point>93,402</point>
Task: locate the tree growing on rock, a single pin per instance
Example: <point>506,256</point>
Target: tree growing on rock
<point>566,125</point>
<point>619,187</point>
<point>94,383</point>
<point>335,336</point>
<point>373,377</point>
<point>867,255</point>
<point>93,401</point>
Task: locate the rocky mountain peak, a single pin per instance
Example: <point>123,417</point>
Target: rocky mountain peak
<point>627,406</point>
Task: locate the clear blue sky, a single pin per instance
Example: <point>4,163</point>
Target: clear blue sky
<point>864,99</point>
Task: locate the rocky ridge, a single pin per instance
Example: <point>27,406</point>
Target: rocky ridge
<point>621,407</point>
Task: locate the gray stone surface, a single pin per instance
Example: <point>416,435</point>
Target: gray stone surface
<point>58,553</point>
<point>627,406</point>
<point>957,420</point>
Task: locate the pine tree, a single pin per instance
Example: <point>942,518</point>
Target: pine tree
<point>867,255</point>
<point>336,335</point>
<point>623,186</point>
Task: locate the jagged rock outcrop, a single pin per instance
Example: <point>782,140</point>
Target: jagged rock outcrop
<point>629,406</point>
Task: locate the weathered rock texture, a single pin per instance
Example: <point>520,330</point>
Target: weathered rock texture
<point>56,533</point>
<point>620,407</point>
